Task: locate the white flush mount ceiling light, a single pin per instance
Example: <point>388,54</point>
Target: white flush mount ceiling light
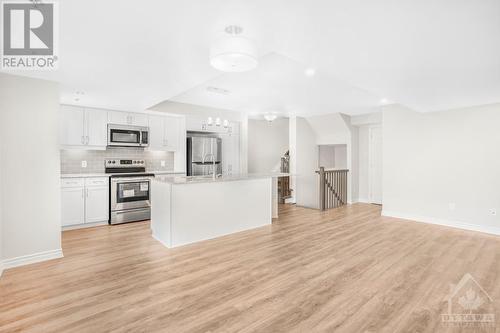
<point>270,117</point>
<point>385,101</point>
<point>310,72</point>
<point>233,52</point>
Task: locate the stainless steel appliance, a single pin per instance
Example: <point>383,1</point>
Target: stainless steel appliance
<point>204,155</point>
<point>128,136</point>
<point>129,191</point>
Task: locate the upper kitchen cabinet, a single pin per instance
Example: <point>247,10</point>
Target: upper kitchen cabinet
<point>127,118</point>
<point>83,128</point>
<point>165,133</point>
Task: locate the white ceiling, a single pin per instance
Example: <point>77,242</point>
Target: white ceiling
<point>426,54</point>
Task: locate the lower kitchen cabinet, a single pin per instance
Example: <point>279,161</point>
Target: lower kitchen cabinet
<point>84,201</point>
<point>72,206</point>
<point>96,204</point>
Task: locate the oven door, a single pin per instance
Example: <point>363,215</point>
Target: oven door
<point>130,193</point>
<point>124,136</point>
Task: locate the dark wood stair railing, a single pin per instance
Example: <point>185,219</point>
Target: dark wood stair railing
<point>332,188</point>
<point>284,190</point>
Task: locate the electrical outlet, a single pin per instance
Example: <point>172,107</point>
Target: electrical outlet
<point>84,164</point>
<point>162,163</point>
<point>452,206</point>
<point>493,211</point>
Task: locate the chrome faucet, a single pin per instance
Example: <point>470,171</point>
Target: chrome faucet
<point>214,171</point>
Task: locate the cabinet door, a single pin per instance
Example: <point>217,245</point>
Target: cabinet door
<point>171,133</point>
<point>72,126</point>
<point>96,127</point>
<point>97,204</point>
<point>138,119</point>
<point>119,118</point>
<point>72,206</point>
<point>156,133</point>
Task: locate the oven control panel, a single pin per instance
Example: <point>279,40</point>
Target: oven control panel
<point>121,163</point>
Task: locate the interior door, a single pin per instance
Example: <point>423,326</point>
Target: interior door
<point>375,163</point>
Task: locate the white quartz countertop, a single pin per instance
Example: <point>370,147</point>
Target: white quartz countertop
<point>180,180</point>
<point>102,174</point>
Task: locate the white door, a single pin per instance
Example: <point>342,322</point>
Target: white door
<point>172,130</point>
<point>72,206</point>
<point>375,163</point>
<point>72,126</point>
<point>156,133</point>
<point>97,204</point>
<point>96,127</point>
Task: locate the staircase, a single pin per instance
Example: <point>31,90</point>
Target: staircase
<point>332,188</point>
<point>284,190</point>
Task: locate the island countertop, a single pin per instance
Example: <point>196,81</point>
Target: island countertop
<point>180,180</point>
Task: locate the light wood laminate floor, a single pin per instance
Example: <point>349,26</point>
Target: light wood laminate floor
<point>344,270</point>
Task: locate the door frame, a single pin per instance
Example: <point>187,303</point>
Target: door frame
<point>371,162</point>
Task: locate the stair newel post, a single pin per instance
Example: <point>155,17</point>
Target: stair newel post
<point>322,185</point>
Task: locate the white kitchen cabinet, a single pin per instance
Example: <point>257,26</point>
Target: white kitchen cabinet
<point>83,128</point>
<point>96,204</point>
<point>72,205</point>
<point>127,118</point>
<point>84,201</point>
<point>230,154</point>
<point>164,132</point>
<point>96,127</point>
<point>72,125</point>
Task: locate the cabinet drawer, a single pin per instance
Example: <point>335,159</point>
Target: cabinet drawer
<point>72,182</point>
<point>97,181</point>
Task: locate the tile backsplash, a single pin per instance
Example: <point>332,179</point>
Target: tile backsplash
<point>71,160</point>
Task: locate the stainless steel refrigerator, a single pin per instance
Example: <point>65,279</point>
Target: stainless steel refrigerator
<point>204,153</point>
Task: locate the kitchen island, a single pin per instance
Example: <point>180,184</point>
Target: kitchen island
<point>186,210</point>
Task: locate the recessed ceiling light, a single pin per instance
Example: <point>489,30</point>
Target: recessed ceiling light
<point>385,101</point>
<point>310,72</point>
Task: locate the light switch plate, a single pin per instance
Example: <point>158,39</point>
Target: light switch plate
<point>84,164</point>
<point>162,163</point>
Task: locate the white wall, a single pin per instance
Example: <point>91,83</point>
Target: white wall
<point>304,161</point>
<point>267,143</point>
<point>433,159</point>
<point>364,166</point>
<point>30,195</point>
<point>333,156</point>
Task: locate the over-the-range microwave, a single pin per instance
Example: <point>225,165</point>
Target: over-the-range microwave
<point>128,136</point>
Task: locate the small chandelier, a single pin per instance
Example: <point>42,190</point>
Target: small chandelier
<point>234,53</point>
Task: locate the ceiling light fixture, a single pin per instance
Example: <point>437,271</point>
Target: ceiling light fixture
<point>234,53</point>
<point>310,72</point>
<point>270,117</point>
<point>385,101</point>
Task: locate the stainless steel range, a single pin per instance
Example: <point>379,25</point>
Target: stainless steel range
<point>129,190</point>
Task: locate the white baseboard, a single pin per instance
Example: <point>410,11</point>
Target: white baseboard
<point>443,222</point>
<point>363,200</point>
<point>161,242</point>
<point>32,258</point>
<point>84,225</point>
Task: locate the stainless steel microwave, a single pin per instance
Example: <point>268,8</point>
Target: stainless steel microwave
<point>128,136</point>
